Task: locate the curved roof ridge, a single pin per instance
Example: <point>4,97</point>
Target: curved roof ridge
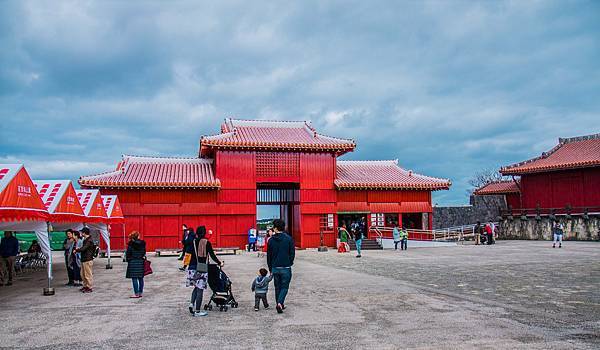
<point>569,153</point>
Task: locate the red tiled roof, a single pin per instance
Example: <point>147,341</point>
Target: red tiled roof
<point>383,175</point>
<point>570,153</point>
<point>499,187</point>
<point>273,135</point>
<point>155,172</point>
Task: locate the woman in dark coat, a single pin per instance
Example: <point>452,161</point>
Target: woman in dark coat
<point>135,256</point>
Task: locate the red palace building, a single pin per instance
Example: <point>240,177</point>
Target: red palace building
<point>564,180</point>
<point>252,163</point>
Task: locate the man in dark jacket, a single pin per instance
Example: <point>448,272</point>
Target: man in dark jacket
<point>280,258</point>
<point>9,249</point>
<point>87,252</point>
<point>67,246</point>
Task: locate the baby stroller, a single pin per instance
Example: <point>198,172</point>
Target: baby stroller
<point>220,284</point>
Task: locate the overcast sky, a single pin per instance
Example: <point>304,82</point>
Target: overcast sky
<point>447,87</point>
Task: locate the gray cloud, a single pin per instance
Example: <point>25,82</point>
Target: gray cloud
<point>449,88</point>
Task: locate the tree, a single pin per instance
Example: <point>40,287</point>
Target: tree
<point>485,177</point>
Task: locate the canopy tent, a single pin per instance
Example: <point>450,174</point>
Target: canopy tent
<point>22,209</point>
<point>61,201</point>
<point>96,217</point>
<point>113,209</point>
<point>115,215</point>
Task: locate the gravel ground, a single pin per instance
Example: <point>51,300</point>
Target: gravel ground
<point>513,295</point>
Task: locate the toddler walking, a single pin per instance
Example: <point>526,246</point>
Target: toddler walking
<point>260,287</point>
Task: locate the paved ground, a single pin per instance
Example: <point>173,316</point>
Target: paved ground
<point>512,295</point>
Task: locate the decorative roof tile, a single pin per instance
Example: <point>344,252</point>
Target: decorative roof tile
<point>156,172</point>
<point>273,135</point>
<point>498,187</point>
<point>570,153</point>
<point>383,175</point>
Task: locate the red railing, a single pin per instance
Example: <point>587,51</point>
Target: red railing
<point>578,211</point>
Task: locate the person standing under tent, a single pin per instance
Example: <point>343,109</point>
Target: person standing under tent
<point>252,239</point>
<point>280,258</point>
<point>9,249</point>
<point>75,259</point>
<point>135,257</point>
<point>87,251</point>
<point>68,247</point>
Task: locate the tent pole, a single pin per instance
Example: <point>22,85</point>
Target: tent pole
<point>124,242</point>
<point>49,290</point>
<point>108,265</point>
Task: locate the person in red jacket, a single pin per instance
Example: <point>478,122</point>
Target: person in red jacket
<point>490,233</point>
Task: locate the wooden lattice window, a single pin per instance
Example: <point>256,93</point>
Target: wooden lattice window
<point>277,164</point>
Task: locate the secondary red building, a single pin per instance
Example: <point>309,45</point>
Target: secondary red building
<point>565,179</point>
<point>252,163</point>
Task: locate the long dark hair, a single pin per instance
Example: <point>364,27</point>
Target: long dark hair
<point>200,232</point>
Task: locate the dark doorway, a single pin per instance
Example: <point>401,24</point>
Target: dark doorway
<point>278,201</point>
<point>412,221</point>
<point>353,221</point>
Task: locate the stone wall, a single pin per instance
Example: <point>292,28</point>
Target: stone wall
<point>576,228</point>
<point>481,208</point>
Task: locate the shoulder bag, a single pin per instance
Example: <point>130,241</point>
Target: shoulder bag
<point>201,267</point>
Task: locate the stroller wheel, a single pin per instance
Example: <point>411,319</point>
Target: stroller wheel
<point>225,308</point>
<point>205,307</point>
<point>210,307</point>
<point>235,305</point>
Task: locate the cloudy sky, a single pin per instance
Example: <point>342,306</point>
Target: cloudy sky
<point>447,87</point>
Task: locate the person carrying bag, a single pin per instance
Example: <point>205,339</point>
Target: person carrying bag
<point>197,273</point>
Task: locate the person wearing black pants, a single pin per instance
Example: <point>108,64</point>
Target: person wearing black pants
<point>280,258</point>
<point>201,250</point>
<point>68,246</point>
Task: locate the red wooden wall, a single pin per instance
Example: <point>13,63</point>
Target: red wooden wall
<point>230,211</point>
<point>578,188</point>
<point>317,198</point>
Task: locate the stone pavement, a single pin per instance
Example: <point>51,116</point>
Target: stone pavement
<point>513,295</point>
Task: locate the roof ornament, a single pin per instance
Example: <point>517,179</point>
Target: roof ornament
<point>410,173</point>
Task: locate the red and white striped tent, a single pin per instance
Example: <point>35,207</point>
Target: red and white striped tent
<point>61,201</point>
<point>113,209</point>
<point>22,208</point>
<point>19,199</point>
<point>96,217</point>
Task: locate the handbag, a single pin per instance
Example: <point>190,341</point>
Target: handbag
<point>187,257</point>
<point>200,267</point>
<point>147,267</point>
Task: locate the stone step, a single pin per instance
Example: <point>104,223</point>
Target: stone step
<point>367,244</point>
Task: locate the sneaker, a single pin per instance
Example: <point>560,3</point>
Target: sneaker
<point>200,313</point>
<point>266,307</point>
<point>134,297</point>
<point>282,306</point>
<point>256,309</point>
<point>560,245</point>
<point>181,269</point>
<point>69,284</point>
<point>9,283</point>
<point>279,309</point>
<point>88,290</point>
<point>191,308</point>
